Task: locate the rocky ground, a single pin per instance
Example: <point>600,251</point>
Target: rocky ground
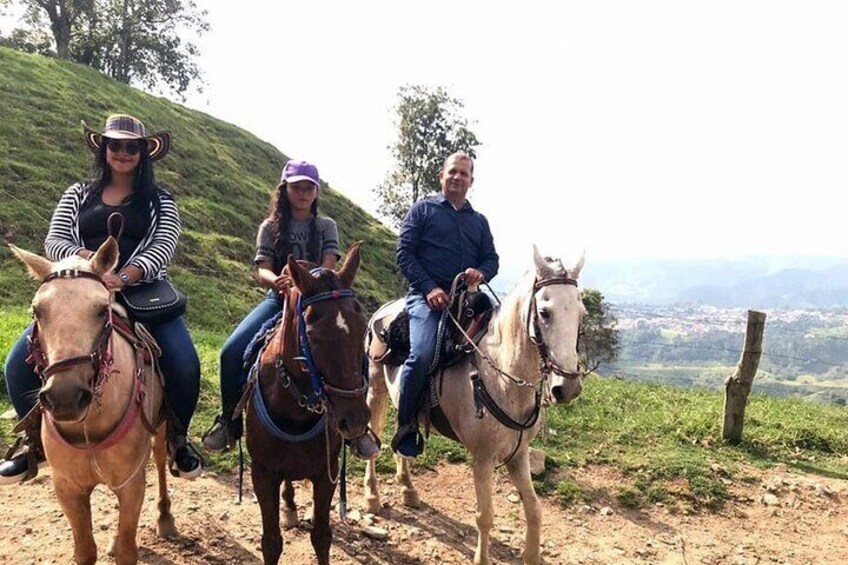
<point>775,517</point>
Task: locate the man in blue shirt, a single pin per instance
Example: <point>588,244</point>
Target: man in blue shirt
<point>441,237</point>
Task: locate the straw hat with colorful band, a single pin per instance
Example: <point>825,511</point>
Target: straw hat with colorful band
<point>123,126</point>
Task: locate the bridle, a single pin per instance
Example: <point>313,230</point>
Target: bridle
<point>546,364</point>
<point>100,358</point>
<point>322,393</point>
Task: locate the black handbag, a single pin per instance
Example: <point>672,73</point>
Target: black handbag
<point>153,302</point>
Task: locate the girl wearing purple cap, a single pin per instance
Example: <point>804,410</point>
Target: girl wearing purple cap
<point>293,227</point>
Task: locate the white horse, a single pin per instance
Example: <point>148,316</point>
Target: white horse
<point>528,355</point>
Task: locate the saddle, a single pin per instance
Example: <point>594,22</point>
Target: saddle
<point>388,331</point>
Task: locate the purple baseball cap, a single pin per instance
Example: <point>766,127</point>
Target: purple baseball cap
<point>300,170</point>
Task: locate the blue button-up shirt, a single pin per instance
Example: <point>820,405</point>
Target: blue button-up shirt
<point>437,243</point>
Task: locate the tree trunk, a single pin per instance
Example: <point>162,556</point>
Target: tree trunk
<point>738,386</point>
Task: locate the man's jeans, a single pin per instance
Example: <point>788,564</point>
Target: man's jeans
<point>423,325</point>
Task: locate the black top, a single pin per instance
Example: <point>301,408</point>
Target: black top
<point>93,229</point>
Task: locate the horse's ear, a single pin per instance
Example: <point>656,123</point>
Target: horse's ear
<point>105,259</point>
<point>543,270</point>
<point>351,265</point>
<point>302,278</point>
<point>38,266</point>
<point>575,270</point>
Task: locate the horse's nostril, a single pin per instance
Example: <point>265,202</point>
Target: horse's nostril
<point>559,396</point>
<point>44,399</point>
<point>84,398</point>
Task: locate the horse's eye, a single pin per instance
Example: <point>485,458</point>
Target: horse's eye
<point>545,314</point>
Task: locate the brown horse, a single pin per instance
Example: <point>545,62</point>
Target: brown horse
<point>98,398</point>
<point>309,394</point>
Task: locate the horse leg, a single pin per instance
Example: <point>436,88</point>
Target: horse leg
<point>519,474</point>
<point>130,500</point>
<point>267,488</point>
<point>289,507</point>
<point>378,396</point>
<point>165,526</point>
<point>76,504</point>
<point>404,479</point>
<point>483,471</point>
<point>322,534</point>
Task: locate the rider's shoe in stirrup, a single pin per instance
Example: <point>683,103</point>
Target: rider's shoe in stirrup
<point>186,462</point>
<point>223,434</point>
<point>366,446</point>
<point>22,462</point>
<point>408,441</point>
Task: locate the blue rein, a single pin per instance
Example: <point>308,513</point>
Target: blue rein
<point>316,400</point>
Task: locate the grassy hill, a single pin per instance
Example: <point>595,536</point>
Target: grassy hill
<point>222,177</point>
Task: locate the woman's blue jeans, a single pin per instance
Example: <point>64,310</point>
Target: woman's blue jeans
<point>179,362</point>
<point>233,373</point>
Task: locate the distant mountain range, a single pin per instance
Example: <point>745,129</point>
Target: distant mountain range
<point>749,282</point>
<point>745,282</point>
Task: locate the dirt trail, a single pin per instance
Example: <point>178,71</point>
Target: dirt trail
<point>779,517</point>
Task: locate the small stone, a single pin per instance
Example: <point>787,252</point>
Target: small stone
<point>224,516</point>
<point>770,500</point>
<point>606,511</point>
<point>537,461</point>
<point>9,415</point>
<point>506,530</point>
<point>376,533</point>
<point>354,516</point>
<point>514,498</point>
<point>28,530</point>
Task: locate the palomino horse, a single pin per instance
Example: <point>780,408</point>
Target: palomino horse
<point>98,398</point>
<point>310,392</point>
<point>529,352</point>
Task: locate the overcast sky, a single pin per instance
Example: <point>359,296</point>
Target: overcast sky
<point>628,129</point>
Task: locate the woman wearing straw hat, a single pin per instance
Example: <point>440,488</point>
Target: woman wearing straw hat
<point>124,182</point>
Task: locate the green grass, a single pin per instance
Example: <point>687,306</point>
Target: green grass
<point>666,441</point>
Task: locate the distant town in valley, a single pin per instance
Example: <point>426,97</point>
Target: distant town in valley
<point>805,352</point>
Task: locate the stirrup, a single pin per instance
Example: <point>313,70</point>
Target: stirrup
<point>28,446</point>
<point>354,444</point>
<point>174,468</point>
<point>404,431</point>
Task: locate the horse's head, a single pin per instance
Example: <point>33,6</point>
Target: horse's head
<point>71,313</point>
<point>554,319</point>
<point>335,328</point>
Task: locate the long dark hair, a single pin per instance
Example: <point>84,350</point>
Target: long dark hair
<point>144,185</point>
<point>281,215</point>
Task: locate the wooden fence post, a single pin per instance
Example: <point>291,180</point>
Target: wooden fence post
<point>738,386</point>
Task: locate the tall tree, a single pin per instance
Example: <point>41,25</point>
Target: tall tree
<point>598,339</point>
<point>133,41</point>
<point>430,127</point>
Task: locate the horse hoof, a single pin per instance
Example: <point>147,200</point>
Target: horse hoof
<point>372,504</point>
<point>411,499</point>
<point>290,519</point>
<point>165,527</point>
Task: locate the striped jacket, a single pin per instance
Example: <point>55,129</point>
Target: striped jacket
<point>151,256</point>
